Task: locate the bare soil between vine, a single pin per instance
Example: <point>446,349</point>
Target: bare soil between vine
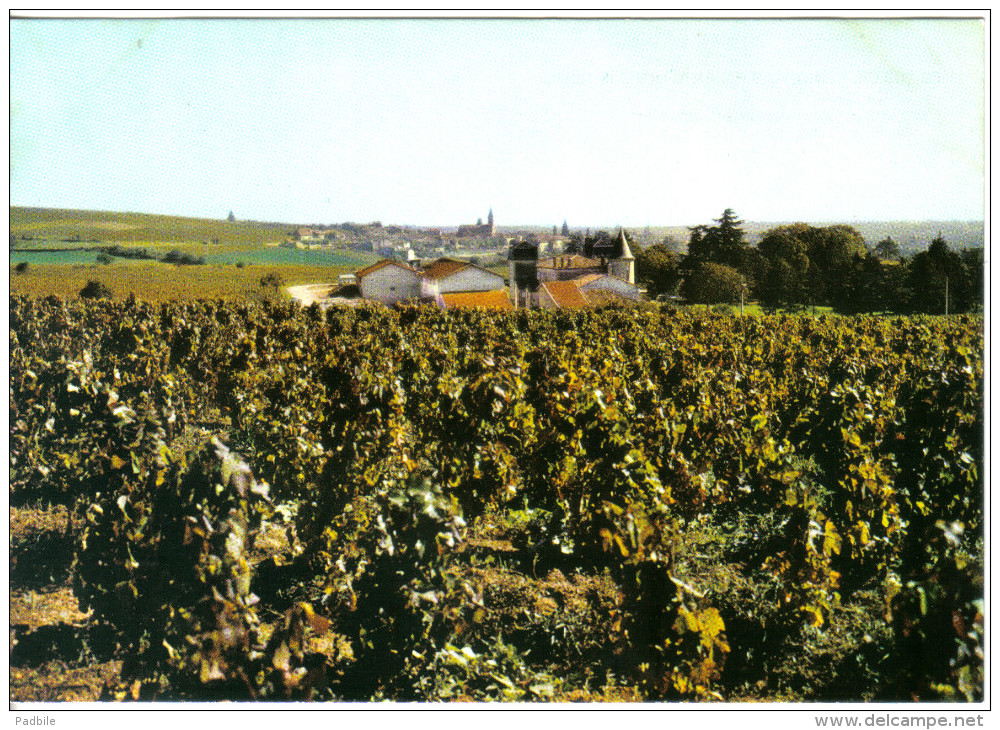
<point>561,619</point>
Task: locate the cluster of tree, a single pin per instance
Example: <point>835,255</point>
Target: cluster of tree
<point>127,252</point>
<point>182,259</point>
<point>657,266</point>
<point>800,265</point>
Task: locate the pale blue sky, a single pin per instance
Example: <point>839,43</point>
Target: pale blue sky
<point>599,122</point>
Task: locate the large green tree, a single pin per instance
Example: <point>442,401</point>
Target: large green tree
<point>871,285</point>
<point>785,250</point>
<point>935,272</point>
<point>723,243</point>
<point>808,265</point>
<point>657,268</point>
<point>835,247</point>
<point>711,283</point>
<point>887,248</point>
<point>975,267</point>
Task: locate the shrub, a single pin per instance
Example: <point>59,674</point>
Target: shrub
<point>95,290</point>
<point>21,267</point>
<point>183,259</point>
<point>127,252</point>
<point>272,280</point>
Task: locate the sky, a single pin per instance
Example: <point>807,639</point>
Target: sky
<point>433,122</point>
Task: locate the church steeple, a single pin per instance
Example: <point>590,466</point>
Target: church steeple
<point>489,219</point>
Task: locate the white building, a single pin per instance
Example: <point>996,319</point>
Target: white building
<point>389,282</point>
<point>447,275</point>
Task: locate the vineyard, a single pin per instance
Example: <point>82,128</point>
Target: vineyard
<point>257,501</point>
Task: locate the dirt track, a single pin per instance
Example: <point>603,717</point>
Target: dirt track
<point>309,293</point>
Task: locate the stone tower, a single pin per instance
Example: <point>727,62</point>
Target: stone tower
<point>623,265</point>
<point>489,222</point>
<point>523,266</point>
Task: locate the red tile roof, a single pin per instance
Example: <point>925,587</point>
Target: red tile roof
<point>566,294</point>
<point>380,265</point>
<point>444,267</point>
<point>497,299</point>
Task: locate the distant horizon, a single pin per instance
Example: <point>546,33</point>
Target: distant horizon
<point>500,224</point>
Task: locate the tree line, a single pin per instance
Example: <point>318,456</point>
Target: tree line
<point>800,265</point>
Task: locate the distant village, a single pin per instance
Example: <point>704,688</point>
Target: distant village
<point>452,270</point>
<point>481,242</point>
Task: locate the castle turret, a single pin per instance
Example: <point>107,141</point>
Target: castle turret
<point>623,265</point>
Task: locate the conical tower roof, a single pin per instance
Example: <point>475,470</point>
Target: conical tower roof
<point>626,252</point>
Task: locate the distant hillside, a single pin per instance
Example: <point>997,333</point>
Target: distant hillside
<point>51,224</point>
<point>57,225</point>
<point>59,228</point>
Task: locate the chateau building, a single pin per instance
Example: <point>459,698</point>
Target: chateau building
<point>604,265</point>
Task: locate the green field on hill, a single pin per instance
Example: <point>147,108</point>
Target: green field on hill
<point>221,255</point>
<point>56,225</point>
<point>61,249</point>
